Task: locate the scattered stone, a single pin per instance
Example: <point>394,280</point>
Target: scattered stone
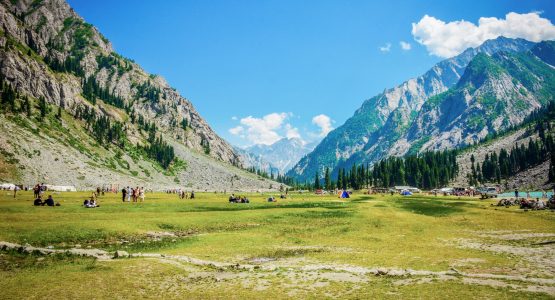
<point>121,254</point>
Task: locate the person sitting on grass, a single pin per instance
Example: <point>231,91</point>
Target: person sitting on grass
<point>539,204</point>
<point>271,199</point>
<point>551,203</point>
<point>232,199</point>
<point>524,204</point>
<point>91,204</point>
<point>38,201</point>
<point>49,201</point>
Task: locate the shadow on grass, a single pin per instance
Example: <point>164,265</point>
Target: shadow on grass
<point>326,214</point>
<point>431,208</point>
<point>246,206</point>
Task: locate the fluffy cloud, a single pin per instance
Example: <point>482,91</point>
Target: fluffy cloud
<point>386,47</point>
<point>324,122</point>
<point>404,45</point>
<point>449,39</point>
<point>263,130</point>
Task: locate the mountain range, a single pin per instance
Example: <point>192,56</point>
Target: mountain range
<point>457,102</point>
<point>278,157</point>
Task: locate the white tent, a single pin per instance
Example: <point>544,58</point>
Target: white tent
<point>61,188</point>
<point>7,186</point>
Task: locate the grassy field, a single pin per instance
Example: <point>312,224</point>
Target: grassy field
<point>306,246</point>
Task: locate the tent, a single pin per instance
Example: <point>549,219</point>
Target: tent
<point>7,186</point>
<point>344,194</point>
<point>61,188</point>
<point>406,193</point>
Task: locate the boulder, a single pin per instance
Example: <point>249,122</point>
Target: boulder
<point>121,254</point>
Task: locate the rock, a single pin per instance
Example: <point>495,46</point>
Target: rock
<point>121,254</point>
<point>381,271</point>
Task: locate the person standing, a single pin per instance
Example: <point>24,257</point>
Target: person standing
<point>142,194</point>
<point>129,190</point>
<point>123,194</point>
<point>516,193</point>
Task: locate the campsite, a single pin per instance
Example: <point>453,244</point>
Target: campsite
<point>307,245</point>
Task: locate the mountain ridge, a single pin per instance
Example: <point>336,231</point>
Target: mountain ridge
<point>391,112</point>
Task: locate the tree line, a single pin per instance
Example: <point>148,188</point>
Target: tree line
<point>496,167</point>
<point>427,170</point>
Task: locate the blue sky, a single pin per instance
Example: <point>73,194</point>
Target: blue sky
<point>238,61</point>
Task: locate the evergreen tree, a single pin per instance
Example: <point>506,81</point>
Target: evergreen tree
<point>316,181</point>
<point>43,107</point>
<point>327,181</point>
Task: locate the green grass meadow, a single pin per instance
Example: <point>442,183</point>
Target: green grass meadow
<point>366,231</point>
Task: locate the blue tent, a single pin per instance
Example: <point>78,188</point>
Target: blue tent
<point>406,193</point>
<point>344,194</point>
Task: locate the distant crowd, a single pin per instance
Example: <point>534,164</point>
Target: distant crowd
<point>532,204</point>
<point>181,193</point>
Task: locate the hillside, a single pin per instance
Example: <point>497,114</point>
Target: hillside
<point>79,104</point>
<point>388,115</point>
<point>497,90</point>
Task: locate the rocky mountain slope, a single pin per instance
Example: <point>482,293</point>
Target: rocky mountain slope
<point>535,177</point>
<point>417,115</point>
<point>55,61</point>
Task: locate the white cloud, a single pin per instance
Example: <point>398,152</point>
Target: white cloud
<point>449,39</point>
<point>405,46</point>
<point>291,132</point>
<point>261,130</point>
<point>324,122</point>
<point>386,47</point>
<point>234,118</point>
<point>236,130</point>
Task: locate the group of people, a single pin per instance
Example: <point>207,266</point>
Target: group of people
<point>183,194</point>
<point>128,194</point>
<point>48,202</point>
<point>537,204</point>
<point>91,203</point>
<point>240,199</point>
<point>38,190</point>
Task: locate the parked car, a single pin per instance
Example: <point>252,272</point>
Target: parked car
<point>488,192</point>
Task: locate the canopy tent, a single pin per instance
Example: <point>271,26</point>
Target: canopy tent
<point>406,193</point>
<point>343,194</point>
